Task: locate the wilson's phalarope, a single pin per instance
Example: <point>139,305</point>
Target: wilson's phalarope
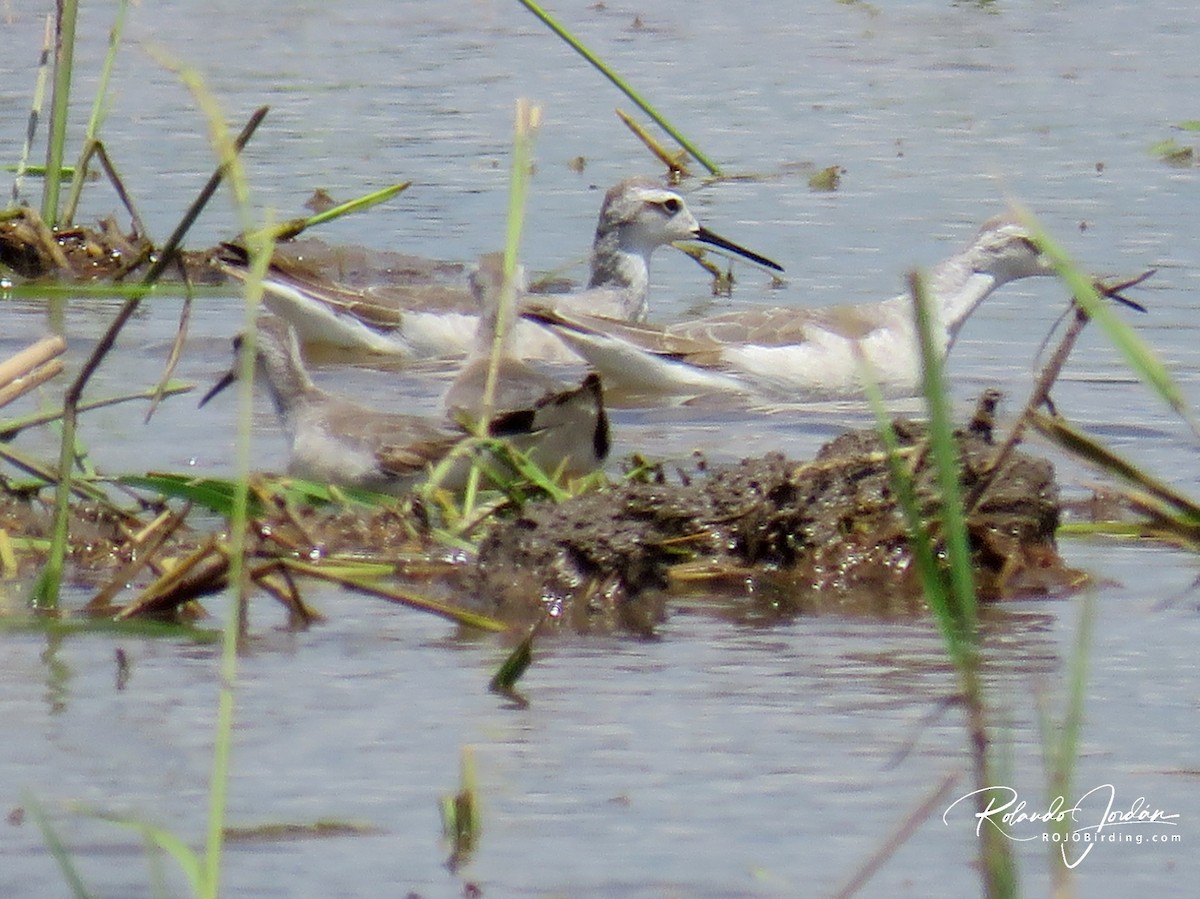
<point>800,353</point>
<point>524,398</point>
<point>336,441</point>
<point>518,384</point>
<point>637,217</point>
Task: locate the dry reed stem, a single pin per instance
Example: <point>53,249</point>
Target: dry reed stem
<point>30,367</point>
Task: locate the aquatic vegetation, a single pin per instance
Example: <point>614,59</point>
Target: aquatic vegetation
<point>295,532</point>
<point>461,819</point>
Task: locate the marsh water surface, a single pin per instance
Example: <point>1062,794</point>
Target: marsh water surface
<point>731,756</point>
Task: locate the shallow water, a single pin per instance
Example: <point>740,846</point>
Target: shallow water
<point>723,758</point>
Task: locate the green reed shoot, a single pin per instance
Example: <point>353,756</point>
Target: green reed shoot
<point>203,871</point>
<point>949,589</point>
<point>528,119</point>
<point>228,152</point>
<point>461,819</point>
<point>58,850</point>
<point>1060,743</point>
<point>293,228</point>
<point>79,174</point>
<point>604,69</point>
<point>60,104</point>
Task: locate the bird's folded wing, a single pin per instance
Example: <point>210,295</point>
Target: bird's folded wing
<point>660,341</point>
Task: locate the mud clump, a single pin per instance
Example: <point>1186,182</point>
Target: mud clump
<point>103,253</point>
<point>824,536</point>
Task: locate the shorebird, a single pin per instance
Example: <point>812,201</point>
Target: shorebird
<point>518,384</point>
<point>637,217</point>
<point>790,353</point>
<point>334,440</point>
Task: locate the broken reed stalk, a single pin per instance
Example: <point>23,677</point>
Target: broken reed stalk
<point>34,365</point>
<point>35,112</point>
<point>95,148</point>
<point>1048,377</point>
<point>1091,295</point>
<point>46,589</point>
<point>673,161</point>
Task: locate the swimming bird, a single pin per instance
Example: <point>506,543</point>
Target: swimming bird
<point>791,353</point>
<point>517,384</point>
<point>334,440</point>
<point>637,217</point>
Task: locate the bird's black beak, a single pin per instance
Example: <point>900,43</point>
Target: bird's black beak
<point>228,378</point>
<point>716,240</point>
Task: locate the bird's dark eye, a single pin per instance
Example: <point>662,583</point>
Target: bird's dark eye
<point>672,205</point>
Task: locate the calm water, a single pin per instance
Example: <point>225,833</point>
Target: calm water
<point>721,759</point>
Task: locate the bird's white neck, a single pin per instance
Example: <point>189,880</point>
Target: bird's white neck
<point>623,269</point>
<point>956,289</point>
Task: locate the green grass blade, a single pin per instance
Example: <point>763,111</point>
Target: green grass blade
<point>1060,744</point>
<point>215,494</point>
<point>621,84</point>
<point>58,850</point>
<point>184,855</point>
<point>359,204</point>
<point>515,664</point>
<point>227,150</point>
<point>1084,447</point>
<point>933,579</point>
<point>462,822</point>
<point>944,450</point>
<point>528,119</point>
<point>293,228</point>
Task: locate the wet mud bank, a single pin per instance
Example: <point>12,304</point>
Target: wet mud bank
<point>765,537</point>
<point>815,537</point>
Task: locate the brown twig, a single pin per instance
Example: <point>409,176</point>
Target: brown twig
<point>48,587</point>
<point>185,317</point>
<point>1049,376</point>
<point>148,542</point>
<point>900,835</point>
<point>96,148</point>
<point>204,572</point>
